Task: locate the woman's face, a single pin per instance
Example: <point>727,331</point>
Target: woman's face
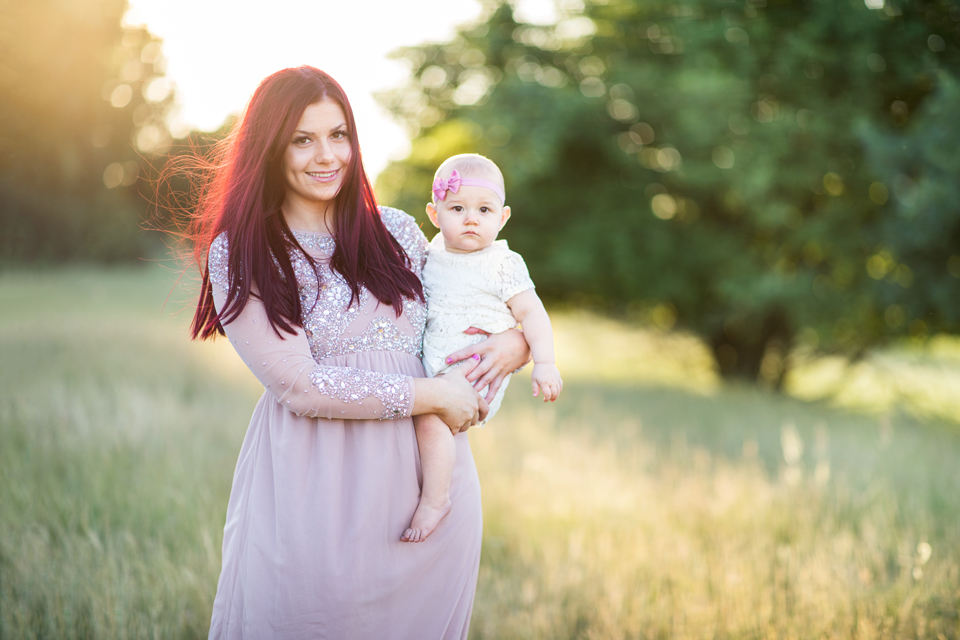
<point>317,156</point>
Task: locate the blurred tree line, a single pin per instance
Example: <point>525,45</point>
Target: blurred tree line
<point>83,112</point>
<point>771,174</point>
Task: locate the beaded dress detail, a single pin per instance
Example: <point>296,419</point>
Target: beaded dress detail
<point>329,472</point>
<point>328,316</point>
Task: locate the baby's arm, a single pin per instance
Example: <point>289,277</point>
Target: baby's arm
<point>529,312</point>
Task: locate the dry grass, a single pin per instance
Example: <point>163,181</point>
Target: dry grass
<point>650,502</point>
<point>646,513</point>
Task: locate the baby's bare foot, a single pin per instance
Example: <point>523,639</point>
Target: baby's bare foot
<point>428,515</point>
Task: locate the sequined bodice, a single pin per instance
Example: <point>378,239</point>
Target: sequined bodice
<point>334,326</point>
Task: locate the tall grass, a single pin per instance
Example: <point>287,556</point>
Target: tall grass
<point>118,442</point>
<point>650,502</point>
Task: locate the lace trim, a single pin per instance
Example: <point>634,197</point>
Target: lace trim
<point>468,261</point>
<point>353,385</point>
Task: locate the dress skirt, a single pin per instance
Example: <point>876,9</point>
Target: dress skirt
<point>311,545</point>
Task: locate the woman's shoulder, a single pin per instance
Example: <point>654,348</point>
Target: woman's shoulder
<point>218,260</point>
<point>220,243</point>
<point>404,228</point>
<point>397,221</point>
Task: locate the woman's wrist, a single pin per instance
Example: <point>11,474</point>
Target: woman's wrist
<point>428,395</point>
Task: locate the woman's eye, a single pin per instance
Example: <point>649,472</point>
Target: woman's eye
<point>301,140</point>
<point>339,135</point>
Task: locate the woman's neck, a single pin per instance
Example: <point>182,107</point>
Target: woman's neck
<point>317,218</point>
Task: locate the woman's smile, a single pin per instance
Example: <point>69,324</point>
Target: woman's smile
<point>323,176</point>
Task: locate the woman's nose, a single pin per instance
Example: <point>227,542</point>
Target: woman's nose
<point>324,153</point>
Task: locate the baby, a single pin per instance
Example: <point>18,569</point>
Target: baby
<point>471,279</point>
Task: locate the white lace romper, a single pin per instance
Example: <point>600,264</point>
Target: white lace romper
<point>469,290</point>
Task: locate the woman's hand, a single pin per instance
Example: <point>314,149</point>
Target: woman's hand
<point>452,398</point>
<point>500,355</point>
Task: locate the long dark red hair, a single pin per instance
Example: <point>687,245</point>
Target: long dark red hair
<point>243,196</point>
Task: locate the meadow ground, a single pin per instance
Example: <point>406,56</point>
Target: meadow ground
<point>652,501</point>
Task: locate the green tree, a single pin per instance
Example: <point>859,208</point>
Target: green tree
<point>703,163</point>
<point>84,104</point>
<point>917,261</point>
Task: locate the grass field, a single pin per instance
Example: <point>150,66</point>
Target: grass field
<point>652,501</point>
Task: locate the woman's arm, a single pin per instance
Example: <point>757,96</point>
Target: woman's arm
<point>285,367</point>
<point>500,354</point>
<point>452,398</point>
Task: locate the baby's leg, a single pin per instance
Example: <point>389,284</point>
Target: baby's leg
<point>438,453</point>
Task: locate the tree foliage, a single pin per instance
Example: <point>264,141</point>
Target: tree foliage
<point>84,104</point>
<point>766,173</point>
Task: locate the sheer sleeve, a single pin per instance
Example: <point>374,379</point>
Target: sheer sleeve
<point>285,367</point>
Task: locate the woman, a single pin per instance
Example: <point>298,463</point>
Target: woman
<point>318,289</point>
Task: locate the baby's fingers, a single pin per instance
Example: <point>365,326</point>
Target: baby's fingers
<point>549,395</point>
<point>552,392</point>
<point>536,388</point>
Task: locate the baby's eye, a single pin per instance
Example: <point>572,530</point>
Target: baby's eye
<point>457,207</point>
<point>484,209</point>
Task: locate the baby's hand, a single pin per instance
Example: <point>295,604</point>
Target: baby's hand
<point>546,378</point>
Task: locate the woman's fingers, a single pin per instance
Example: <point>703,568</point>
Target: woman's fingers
<point>484,409</point>
<point>468,351</point>
<point>494,386</point>
<point>484,372</point>
<point>495,358</point>
<point>466,407</point>
<point>467,367</point>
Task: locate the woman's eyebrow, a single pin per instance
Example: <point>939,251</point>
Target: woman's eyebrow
<point>342,125</point>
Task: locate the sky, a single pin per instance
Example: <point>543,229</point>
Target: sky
<point>218,51</point>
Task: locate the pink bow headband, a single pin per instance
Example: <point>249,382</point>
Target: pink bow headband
<point>453,184</point>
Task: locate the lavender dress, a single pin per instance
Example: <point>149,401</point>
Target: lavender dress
<point>329,473</point>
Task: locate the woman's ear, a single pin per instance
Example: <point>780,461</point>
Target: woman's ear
<point>506,216</point>
<point>432,214</point>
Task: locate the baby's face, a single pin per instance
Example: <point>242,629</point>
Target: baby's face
<point>469,219</point>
